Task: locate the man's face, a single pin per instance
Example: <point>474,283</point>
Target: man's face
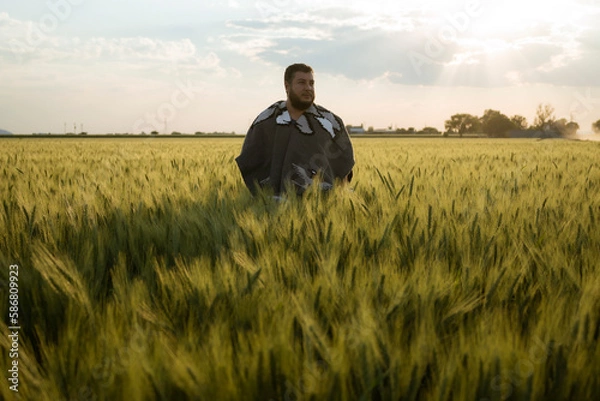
<point>301,92</point>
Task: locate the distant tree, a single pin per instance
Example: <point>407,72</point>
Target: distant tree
<point>596,127</point>
<point>520,122</point>
<point>560,125</point>
<point>488,114</point>
<point>496,124</point>
<point>154,133</point>
<point>565,128</point>
<point>462,124</point>
<point>370,130</point>
<point>175,133</point>
<point>411,130</point>
<point>572,128</point>
<point>544,117</point>
<point>430,131</point>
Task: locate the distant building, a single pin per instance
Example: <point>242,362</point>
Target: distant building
<point>383,131</point>
<point>355,129</point>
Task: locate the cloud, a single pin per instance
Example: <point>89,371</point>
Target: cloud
<point>22,46</point>
<point>246,45</point>
<point>422,46</point>
<point>280,29</point>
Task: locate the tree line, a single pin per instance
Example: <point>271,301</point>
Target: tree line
<point>498,125</point>
<point>494,124</point>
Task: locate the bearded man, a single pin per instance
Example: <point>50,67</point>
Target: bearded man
<point>295,141</point>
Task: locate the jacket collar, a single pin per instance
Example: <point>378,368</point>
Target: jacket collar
<point>302,123</point>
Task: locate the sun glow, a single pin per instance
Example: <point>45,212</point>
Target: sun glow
<point>484,38</point>
<point>508,18</point>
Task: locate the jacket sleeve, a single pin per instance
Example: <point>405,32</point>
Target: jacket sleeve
<point>345,164</point>
<point>253,160</point>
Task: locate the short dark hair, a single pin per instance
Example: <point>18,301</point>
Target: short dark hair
<point>293,69</point>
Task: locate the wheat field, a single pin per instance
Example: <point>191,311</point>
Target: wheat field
<point>450,269</point>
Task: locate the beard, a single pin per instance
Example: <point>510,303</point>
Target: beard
<point>298,103</point>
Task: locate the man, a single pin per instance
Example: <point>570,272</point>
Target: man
<point>295,141</point>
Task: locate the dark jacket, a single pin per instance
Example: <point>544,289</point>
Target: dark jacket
<point>278,150</point>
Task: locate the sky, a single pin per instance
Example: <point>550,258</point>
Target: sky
<point>212,66</point>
